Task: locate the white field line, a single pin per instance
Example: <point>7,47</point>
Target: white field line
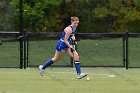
<point>89,74</point>
<point>93,74</point>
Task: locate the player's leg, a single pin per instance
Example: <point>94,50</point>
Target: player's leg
<point>56,57</point>
<point>49,62</point>
<point>58,54</point>
<point>75,56</point>
<point>76,60</point>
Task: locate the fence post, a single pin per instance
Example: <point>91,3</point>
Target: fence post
<point>27,51</point>
<point>126,50</point>
<point>21,33</point>
<point>123,39</point>
<point>25,46</point>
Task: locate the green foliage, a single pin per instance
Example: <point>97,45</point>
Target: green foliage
<point>122,14</point>
<point>101,12</point>
<point>7,18</point>
<point>95,15</point>
<point>37,14</point>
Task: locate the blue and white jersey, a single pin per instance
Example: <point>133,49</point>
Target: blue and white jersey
<point>64,33</point>
<point>61,46</point>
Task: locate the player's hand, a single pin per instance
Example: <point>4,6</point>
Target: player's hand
<point>72,50</point>
<point>74,42</point>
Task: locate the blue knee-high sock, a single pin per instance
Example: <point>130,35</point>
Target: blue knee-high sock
<point>48,63</point>
<point>77,66</point>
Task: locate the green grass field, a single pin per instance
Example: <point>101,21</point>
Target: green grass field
<point>63,80</point>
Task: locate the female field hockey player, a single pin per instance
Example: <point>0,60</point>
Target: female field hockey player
<point>64,45</point>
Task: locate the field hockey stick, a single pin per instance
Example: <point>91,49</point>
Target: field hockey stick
<point>74,43</point>
<point>74,48</point>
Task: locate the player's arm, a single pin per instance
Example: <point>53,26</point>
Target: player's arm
<point>68,32</point>
<point>74,40</point>
<point>73,37</point>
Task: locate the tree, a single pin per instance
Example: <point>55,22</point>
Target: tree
<point>7,15</point>
<point>95,15</point>
<point>109,15</point>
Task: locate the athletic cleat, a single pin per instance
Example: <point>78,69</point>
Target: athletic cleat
<point>41,70</point>
<point>82,75</point>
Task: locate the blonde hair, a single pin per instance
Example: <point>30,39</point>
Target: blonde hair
<point>74,18</point>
